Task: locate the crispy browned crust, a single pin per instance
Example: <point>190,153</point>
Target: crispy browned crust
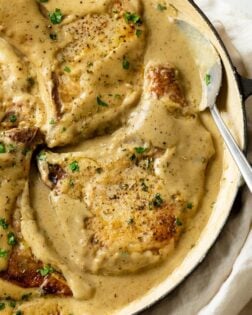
<point>23,269</point>
<point>163,81</point>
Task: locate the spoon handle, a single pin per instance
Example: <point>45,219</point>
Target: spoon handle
<point>233,148</point>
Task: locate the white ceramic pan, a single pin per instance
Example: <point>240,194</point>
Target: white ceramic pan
<point>237,89</point>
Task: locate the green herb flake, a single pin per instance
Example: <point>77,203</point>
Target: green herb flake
<point>13,118</point>
<point>140,150</point>
<point>56,17</point>
<point>139,32</point>
<point>2,306</point>
<point>26,297</point>
<point>25,151</point>
<point>3,224</point>
<point>3,253</point>
<point>11,239</point>
<point>178,222</point>
<point>19,313</point>
<point>42,156</point>
<point>125,63</point>
<point>71,182</point>
<point>189,205</point>
<point>100,102</point>
<point>67,69</point>
<point>52,122</point>
<point>132,18</point>
<point>208,79</point>
<point>161,7</point>
<point>12,303</point>
<point>157,201</point>
<point>2,148</point>
<point>74,166</point>
<point>46,270</point>
<point>53,36</point>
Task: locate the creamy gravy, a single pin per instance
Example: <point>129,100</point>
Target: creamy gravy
<point>29,34</point>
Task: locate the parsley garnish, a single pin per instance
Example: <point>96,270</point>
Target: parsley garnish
<point>125,63</point>
<point>11,238</point>
<point>100,102</point>
<point>161,7</point>
<point>56,16</point>
<point>2,148</point>
<point>2,306</point>
<point>12,118</point>
<point>42,156</point>
<point>189,205</point>
<point>208,79</point>
<point>74,166</point>
<point>71,182</point>
<point>52,122</point>
<point>46,270</point>
<point>12,303</point>
<point>67,69</point>
<point>157,201</point>
<point>26,297</point>
<point>178,222</point>
<point>140,150</point>
<point>3,224</point>
<point>132,18</point>
<point>19,313</point>
<point>139,32</point>
<point>42,1</point>
<point>3,252</point>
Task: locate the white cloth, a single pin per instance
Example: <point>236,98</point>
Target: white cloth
<point>222,284</point>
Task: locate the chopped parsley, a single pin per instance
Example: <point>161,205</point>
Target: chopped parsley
<point>42,156</point>
<point>140,150</point>
<point>208,79</point>
<point>139,32</point>
<point>25,151</point>
<point>11,148</point>
<point>3,224</point>
<point>52,122</point>
<point>189,205</point>
<point>100,102</point>
<point>71,182</point>
<point>12,303</point>
<point>157,201</point>
<point>3,253</point>
<point>56,17</point>
<point>19,313</point>
<point>67,69</point>
<point>2,148</point>
<point>11,238</point>
<point>161,7</point>
<point>125,63</point>
<point>26,297</point>
<point>12,118</point>
<point>178,222</point>
<point>46,270</point>
<point>2,306</point>
<point>42,1</point>
<point>53,36</point>
<point>132,18</point>
<point>74,166</point>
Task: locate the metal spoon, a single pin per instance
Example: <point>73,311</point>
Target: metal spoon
<point>210,69</point>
